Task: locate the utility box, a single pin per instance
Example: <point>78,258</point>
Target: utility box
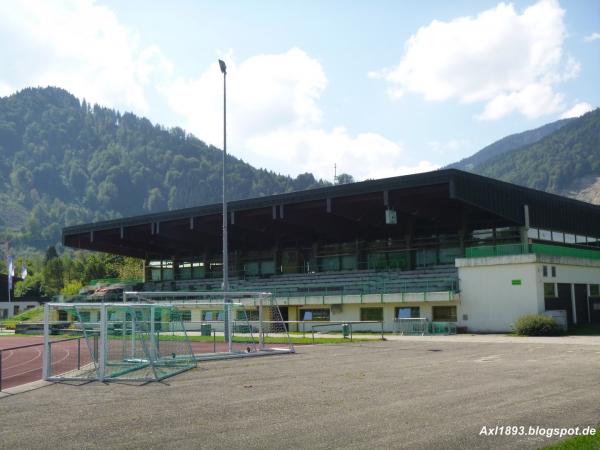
<point>560,317</point>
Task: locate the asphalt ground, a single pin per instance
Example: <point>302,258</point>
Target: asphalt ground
<point>394,394</point>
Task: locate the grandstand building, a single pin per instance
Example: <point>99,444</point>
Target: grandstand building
<point>447,245</point>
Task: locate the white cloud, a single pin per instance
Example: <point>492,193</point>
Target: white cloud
<point>578,110</point>
<point>5,89</point>
<point>80,46</point>
<point>592,37</point>
<point>507,60</point>
<point>275,120</point>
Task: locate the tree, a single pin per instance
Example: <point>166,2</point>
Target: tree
<point>53,277</point>
<point>344,178</point>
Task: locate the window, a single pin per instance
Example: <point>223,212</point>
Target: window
<point>558,236</point>
<point>444,313</point>
<point>314,314</point>
<point>85,316</point>
<point>549,290</point>
<point>215,314</point>
<point>533,233</point>
<point>545,235</point>
<point>63,316</point>
<point>545,271</point>
<point>553,272</point>
<point>186,315</point>
<point>371,314</point>
<point>247,314</point>
<point>409,312</point>
<point>594,290</point>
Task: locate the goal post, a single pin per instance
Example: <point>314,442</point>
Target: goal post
<point>114,341</point>
<point>226,324</point>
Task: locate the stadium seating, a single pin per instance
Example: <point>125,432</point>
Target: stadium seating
<point>429,279</point>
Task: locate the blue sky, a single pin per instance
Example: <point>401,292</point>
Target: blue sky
<point>378,88</point>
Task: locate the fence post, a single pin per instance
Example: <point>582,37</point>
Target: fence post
<point>382,338</point>
<point>103,342</point>
<point>214,341</point>
<point>78,353</point>
<point>46,355</point>
<point>0,370</point>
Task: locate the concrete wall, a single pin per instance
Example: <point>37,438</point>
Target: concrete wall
<point>7,309</point>
<point>490,302</point>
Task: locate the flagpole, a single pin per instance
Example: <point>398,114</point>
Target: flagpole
<point>8,280</point>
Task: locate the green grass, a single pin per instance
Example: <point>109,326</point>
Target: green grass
<point>239,339</point>
<point>578,443</point>
<point>268,339</point>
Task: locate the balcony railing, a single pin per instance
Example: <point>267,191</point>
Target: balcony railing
<point>538,249</point>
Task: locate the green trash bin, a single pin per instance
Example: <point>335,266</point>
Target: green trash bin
<point>205,329</point>
<point>345,330</point>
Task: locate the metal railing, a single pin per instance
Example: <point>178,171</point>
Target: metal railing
<point>535,248</point>
<point>346,327</point>
<point>31,370</point>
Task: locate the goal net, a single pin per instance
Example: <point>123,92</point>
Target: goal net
<point>116,342</point>
<point>224,324</point>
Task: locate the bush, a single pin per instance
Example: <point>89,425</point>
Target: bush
<point>536,325</point>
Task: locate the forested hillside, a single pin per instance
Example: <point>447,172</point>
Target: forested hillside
<point>63,162</point>
<point>509,143</point>
<point>556,163</point>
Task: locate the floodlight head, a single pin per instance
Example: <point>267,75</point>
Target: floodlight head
<point>223,66</point>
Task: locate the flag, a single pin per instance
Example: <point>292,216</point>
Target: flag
<point>23,271</point>
<point>11,272</point>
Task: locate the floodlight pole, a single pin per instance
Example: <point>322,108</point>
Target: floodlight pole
<point>225,266</point>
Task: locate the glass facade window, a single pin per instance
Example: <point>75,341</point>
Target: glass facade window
<point>214,314</point>
<point>569,238</point>
<point>533,233</point>
<point>549,290</point>
<point>545,235</point>
<point>408,312</point>
<point>444,313</point>
<point>315,314</point>
<point>557,236</point>
<point>545,271</point>
<point>247,314</point>
<point>371,314</point>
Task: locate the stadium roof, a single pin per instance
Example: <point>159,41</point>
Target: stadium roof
<point>433,202</point>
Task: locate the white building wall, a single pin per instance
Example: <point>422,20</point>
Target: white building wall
<point>491,302</point>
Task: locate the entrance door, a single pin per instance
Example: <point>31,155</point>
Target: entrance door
<point>595,309</point>
<point>581,304</point>
<point>563,301</point>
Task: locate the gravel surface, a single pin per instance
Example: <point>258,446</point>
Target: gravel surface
<point>395,394</point>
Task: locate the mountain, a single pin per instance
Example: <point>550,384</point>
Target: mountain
<point>565,161</point>
<point>508,143</point>
<point>64,161</point>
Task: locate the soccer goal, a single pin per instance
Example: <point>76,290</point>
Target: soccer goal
<point>224,324</point>
<point>117,341</point>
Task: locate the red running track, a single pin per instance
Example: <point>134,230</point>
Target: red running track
<point>24,365</point>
